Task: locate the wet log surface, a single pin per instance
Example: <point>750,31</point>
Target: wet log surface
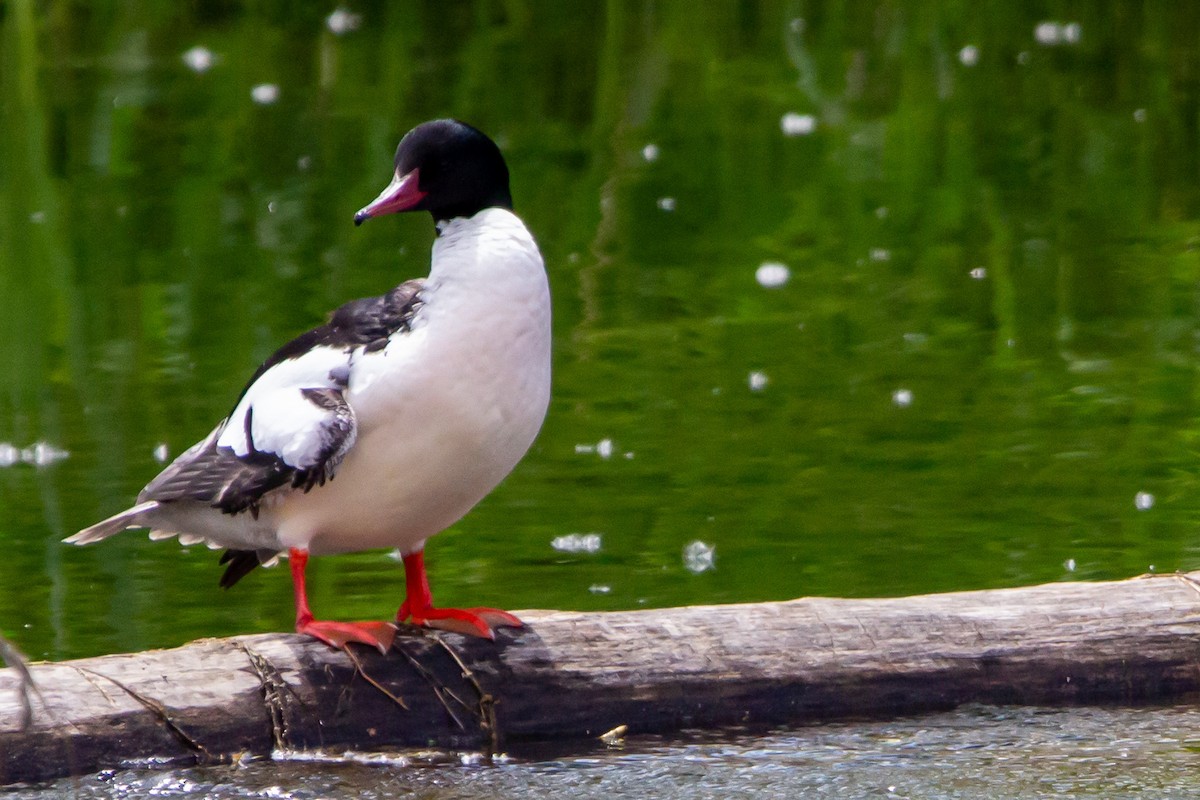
<point>580,674</point>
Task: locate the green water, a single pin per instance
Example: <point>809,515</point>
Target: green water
<point>980,371</point>
<point>982,354</point>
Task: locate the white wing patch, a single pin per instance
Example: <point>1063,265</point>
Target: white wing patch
<point>276,416</point>
<point>299,428</point>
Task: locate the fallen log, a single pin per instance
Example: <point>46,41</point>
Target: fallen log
<point>580,674</point>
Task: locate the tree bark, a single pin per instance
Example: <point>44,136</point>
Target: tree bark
<point>580,674</point>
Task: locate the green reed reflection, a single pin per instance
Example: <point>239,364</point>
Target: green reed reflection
<point>983,352</point>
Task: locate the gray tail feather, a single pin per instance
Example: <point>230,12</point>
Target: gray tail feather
<point>129,518</point>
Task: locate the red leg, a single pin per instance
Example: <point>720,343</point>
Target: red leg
<point>418,604</point>
<point>334,634</point>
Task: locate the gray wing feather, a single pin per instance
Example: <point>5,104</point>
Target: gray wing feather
<point>212,474</point>
<point>215,475</point>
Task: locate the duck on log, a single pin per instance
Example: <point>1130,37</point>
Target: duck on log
<point>581,674</point>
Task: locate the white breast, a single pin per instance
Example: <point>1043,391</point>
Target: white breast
<point>446,410</point>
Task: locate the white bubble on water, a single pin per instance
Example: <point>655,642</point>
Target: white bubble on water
<point>772,274</point>
<point>603,448</point>
<point>699,557</point>
<point>1051,34</point>
<point>881,254</point>
<point>757,381</point>
<point>1143,501</point>
<point>577,543</point>
<point>979,273</point>
<point>902,398</point>
<point>794,124</point>
<point>666,203</point>
<point>161,452</point>
<point>599,588</point>
<point>41,454</point>
<point>265,93</point>
<point>969,55</point>
<point>1069,565</point>
<point>1139,115</point>
<point>198,59</point>
<point>650,152</point>
<point>1046,33</point>
<point>342,21</point>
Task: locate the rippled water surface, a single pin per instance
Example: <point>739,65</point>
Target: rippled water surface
<point>971,753</point>
<point>850,299</point>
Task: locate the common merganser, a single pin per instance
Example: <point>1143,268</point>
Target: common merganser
<point>385,425</point>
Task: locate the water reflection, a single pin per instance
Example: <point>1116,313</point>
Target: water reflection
<point>968,341</point>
